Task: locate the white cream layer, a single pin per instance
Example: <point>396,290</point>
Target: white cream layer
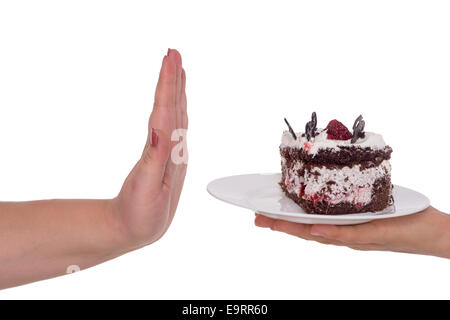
<point>372,140</point>
<point>351,183</point>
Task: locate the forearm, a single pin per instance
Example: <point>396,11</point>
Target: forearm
<point>41,239</point>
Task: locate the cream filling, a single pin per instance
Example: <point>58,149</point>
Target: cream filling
<point>351,184</point>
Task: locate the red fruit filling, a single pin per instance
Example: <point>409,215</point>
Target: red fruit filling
<point>316,198</point>
<point>302,190</point>
<point>337,131</point>
<point>287,183</point>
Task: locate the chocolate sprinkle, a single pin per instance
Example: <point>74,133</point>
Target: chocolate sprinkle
<point>358,129</point>
<point>290,129</point>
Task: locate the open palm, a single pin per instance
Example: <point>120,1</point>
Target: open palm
<point>149,197</point>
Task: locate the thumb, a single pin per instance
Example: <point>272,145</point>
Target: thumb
<point>155,157</point>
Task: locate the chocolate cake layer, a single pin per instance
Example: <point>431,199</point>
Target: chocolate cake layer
<point>345,156</point>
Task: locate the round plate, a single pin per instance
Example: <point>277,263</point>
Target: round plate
<point>261,193</point>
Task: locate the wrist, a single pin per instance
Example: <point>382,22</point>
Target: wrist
<point>436,225</point>
<point>444,238</point>
<point>123,239</point>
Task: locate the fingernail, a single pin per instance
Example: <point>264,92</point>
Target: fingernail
<point>168,51</point>
<point>153,138</point>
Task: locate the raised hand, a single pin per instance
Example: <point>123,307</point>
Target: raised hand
<point>48,238</point>
<point>149,197</point>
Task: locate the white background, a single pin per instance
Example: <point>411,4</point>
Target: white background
<point>76,88</point>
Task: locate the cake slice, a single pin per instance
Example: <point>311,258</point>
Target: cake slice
<point>333,171</point>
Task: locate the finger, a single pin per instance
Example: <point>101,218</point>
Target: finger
<point>171,173</point>
<point>367,233</point>
<point>175,56</point>
<point>304,232</point>
<point>166,87</point>
<point>263,221</point>
<point>181,168</point>
<point>183,102</point>
<point>296,229</point>
<point>157,149</point>
<point>163,113</point>
<point>367,247</point>
<point>176,193</point>
<point>154,159</point>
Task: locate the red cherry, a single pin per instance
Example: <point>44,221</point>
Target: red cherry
<point>337,131</point>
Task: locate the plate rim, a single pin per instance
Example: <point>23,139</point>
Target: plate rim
<point>350,216</point>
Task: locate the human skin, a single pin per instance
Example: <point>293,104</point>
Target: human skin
<point>43,239</point>
<point>426,232</point>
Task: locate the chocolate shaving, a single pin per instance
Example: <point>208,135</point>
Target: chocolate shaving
<point>290,129</point>
<point>358,129</point>
<point>311,126</point>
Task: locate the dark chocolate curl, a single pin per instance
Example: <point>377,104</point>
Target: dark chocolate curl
<point>290,129</point>
<point>311,126</point>
<point>358,129</point>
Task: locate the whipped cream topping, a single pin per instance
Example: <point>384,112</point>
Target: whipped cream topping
<point>372,140</point>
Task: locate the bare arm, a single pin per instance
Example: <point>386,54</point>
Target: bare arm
<point>43,239</point>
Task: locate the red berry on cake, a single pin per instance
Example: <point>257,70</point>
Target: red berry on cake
<point>338,131</point>
<point>307,146</point>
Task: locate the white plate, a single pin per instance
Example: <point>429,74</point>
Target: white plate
<point>261,193</point>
